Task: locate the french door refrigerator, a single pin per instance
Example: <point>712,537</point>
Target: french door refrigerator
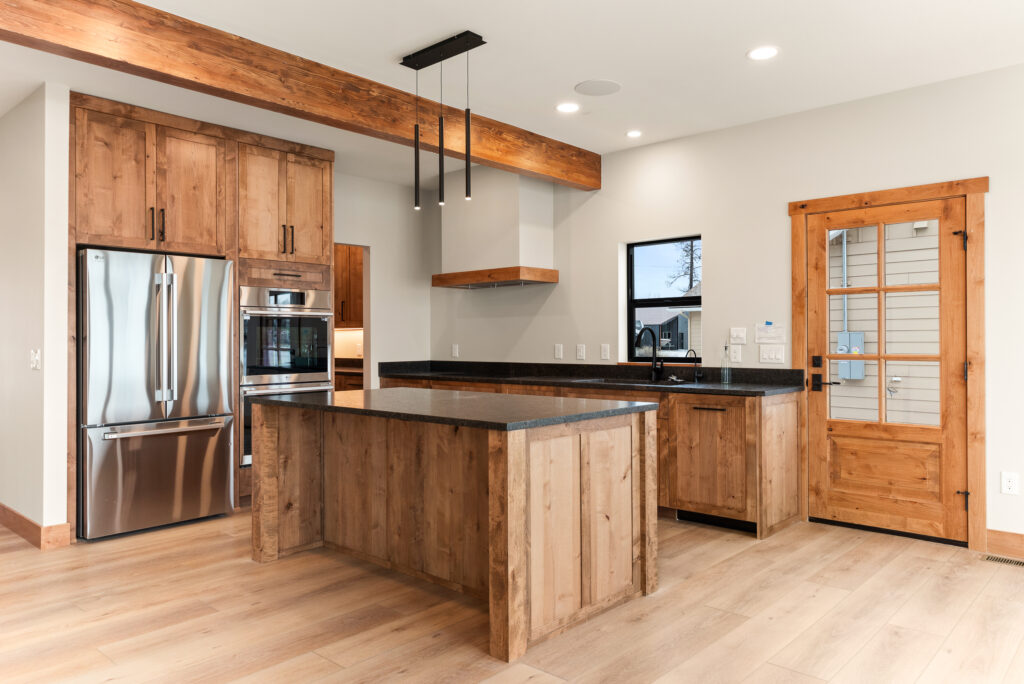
<point>155,401</point>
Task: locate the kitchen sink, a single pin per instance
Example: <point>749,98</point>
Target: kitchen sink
<point>633,381</point>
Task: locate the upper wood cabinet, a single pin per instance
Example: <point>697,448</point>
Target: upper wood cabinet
<point>348,286</point>
<point>144,186</point>
<point>284,206</point>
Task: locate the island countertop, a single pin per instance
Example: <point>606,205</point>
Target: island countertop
<point>504,412</point>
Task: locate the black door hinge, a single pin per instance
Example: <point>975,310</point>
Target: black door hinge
<point>967,498</point>
<point>964,234</point>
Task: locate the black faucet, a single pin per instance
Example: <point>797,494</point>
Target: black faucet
<point>698,375</point>
<point>656,364</point>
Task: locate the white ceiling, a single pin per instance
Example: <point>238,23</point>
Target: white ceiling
<point>681,63</point>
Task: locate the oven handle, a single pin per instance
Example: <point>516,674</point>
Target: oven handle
<point>297,390</point>
<point>319,313</point>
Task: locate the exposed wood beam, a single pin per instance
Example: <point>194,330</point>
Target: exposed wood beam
<point>140,40</point>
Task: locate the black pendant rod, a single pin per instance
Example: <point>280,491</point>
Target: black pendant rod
<point>469,163</point>
<point>440,144</point>
<point>416,150</point>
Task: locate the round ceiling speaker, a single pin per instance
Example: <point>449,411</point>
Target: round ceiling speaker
<point>597,87</point>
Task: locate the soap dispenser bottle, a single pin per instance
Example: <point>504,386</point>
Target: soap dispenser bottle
<point>726,369</point>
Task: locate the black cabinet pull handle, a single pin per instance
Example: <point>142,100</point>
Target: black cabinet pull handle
<point>341,312</point>
<point>293,239</point>
<point>152,223</point>
<point>163,225</point>
<point>289,275</point>
<point>708,408</point>
<point>284,239</point>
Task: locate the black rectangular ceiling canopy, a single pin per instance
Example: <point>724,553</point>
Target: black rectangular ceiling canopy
<point>438,52</point>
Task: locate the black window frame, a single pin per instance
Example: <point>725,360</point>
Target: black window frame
<point>632,304</point>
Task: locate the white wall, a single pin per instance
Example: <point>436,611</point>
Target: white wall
<point>404,251</point>
<point>732,187</point>
<point>33,274</point>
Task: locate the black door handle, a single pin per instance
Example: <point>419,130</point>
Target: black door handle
<point>293,239</point>
<point>163,225</point>
<point>152,223</point>
<point>284,239</point>
<point>341,312</point>
<point>817,383</point>
<point>708,408</point>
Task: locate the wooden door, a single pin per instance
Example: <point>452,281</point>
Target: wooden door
<point>354,306</point>
<point>191,192</point>
<point>886,327</point>
<point>262,203</point>
<point>709,456</point>
<point>114,181</point>
<point>310,232</point>
<point>341,304</point>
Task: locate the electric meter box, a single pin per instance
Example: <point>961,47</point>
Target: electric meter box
<point>850,343</point>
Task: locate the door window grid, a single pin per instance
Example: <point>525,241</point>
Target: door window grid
<point>901,276</point>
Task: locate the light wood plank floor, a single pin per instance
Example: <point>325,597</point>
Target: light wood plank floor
<point>814,603</point>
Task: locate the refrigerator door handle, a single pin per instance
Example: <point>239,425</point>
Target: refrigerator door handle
<point>174,336</point>
<point>217,425</point>
<point>160,280</point>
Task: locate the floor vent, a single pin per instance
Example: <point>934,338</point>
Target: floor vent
<point>1005,561</point>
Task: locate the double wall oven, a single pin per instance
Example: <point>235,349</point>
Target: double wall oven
<point>286,338</point>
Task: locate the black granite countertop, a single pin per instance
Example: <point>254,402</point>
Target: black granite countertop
<point>487,410</point>
<point>747,382</point>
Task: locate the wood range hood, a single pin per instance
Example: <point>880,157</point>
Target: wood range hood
<point>503,237</point>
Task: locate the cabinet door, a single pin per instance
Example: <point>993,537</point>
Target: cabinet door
<point>262,203</point>
<point>341,305</point>
<point>310,233</point>
<point>114,180</point>
<point>710,463</point>
<point>354,305</point>
<point>191,193</point>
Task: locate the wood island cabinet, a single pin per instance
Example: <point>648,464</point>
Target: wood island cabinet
<point>140,185</point>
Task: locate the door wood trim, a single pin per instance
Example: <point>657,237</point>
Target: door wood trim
<point>973,190</point>
<point>135,39</point>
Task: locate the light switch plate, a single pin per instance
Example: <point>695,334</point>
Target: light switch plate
<point>1009,483</point>
<point>735,353</point>
<point>35,359</point>
<point>558,351</point>
<point>773,353</point>
<point>581,352</point>
<point>606,352</point>
<point>455,351</point>
<point>737,335</point>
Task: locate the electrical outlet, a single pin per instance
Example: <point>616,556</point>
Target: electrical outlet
<point>581,352</point>
<point>455,351</point>
<point>735,353</point>
<point>1009,483</point>
<point>606,352</point>
<point>35,359</point>
<point>558,351</point>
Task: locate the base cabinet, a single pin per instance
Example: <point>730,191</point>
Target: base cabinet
<point>723,456</point>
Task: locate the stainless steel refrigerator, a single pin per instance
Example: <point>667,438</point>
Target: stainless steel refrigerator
<point>154,390</point>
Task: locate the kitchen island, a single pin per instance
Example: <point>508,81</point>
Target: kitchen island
<point>545,507</point>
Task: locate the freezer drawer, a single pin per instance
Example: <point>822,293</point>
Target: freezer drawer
<point>149,474</point>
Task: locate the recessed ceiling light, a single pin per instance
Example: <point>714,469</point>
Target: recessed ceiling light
<point>634,134</point>
<point>568,107</point>
<point>597,87</point>
<point>762,53</point>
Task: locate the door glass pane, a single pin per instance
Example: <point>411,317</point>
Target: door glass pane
<point>912,253</point>
<point>860,263</point>
<point>853,324</point>
<point>912,323</point>
<point>856,395</point>
<point>912,390</point>
<point>678,329</point>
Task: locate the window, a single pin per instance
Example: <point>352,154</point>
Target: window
<point>663,293</point>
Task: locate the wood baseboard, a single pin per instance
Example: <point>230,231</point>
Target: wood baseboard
<point>43,538</point>
<point>1006,544</point>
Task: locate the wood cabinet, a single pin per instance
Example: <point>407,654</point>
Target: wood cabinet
<point>284,206</point>
<point>348,286</point>
<point>143,186</point>
<point>724,456</point>
<point>348,381</point>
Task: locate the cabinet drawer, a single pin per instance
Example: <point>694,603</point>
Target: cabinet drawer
<point>260,273</point>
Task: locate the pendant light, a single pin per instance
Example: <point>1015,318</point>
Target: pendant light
<point>416,150</point>
<point>440,142</point>
<point>429,56</point>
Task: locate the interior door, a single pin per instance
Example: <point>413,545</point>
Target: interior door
<point>309,236</point>
<point>114,180</point>
<point>191,193</point>
<point>262,203</point>
<point>887,358</point>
